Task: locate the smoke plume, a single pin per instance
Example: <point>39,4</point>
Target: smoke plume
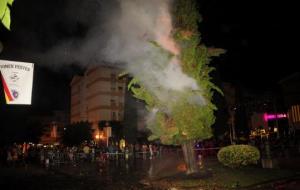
<point>132,29</point>
<point>135,35</point>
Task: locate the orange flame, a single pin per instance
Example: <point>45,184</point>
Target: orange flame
<point>163,35</point>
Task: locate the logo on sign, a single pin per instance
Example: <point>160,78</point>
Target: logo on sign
<point>15,94</point>
<point>14,77</point>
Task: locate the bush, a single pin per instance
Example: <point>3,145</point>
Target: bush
<point>236,156</point>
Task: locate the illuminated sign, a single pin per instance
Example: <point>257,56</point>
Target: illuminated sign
<point>268,117</point>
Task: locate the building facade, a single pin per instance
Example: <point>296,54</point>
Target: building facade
<point>98,95</point>
<point>291,92</point>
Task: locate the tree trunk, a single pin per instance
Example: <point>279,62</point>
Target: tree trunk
<point>190,157</point>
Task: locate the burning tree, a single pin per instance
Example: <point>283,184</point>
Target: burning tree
<point>182,115</point>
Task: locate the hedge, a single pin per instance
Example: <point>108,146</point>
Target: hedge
<point>236,156</point>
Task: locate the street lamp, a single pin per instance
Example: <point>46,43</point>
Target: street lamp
<point>97,137</point>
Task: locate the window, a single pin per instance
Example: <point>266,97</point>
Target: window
<point>113,77</point>
<point>120,104</point>
<point>113,102</point>
<point>113,86</point>
<point>114,117</point>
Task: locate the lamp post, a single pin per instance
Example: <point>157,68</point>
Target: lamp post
<point>232,125</point>
<point>276,119</point>
<point>97,137</point>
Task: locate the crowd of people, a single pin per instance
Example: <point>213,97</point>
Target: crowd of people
<point>50,155</point>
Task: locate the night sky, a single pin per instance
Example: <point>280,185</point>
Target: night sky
<point>260,40</point>
<point>259,36</point>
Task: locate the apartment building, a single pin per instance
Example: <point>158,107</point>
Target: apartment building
<point>98,95</point>
<point>290,87</point>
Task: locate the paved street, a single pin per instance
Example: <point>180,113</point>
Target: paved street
<point>115,175</point>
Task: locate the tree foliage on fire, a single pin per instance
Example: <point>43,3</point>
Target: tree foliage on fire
<point>187,121</point>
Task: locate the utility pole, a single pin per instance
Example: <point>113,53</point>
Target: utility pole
<point>276,119</point>
<point>232,125</point>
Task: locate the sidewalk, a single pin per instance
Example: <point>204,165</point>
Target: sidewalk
<point>289,163</point>
<point>283,184</point>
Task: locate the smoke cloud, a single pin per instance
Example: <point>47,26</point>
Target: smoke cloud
<point>121,33</point>
<point>132,30</point>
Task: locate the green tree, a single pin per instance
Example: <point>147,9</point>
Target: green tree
<point>187,120</point>
<point>5,12</point>
<point>77,133</point>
